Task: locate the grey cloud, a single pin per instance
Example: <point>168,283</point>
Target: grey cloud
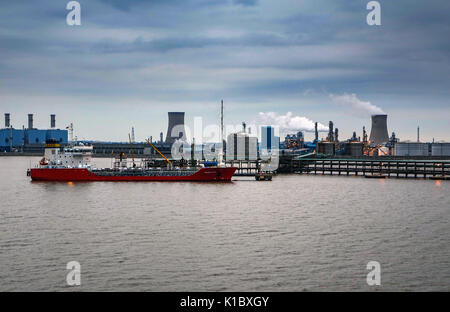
<point>250,51</point>
<point>246,2</point>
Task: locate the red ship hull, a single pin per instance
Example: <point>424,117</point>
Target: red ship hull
<point>82,174</point>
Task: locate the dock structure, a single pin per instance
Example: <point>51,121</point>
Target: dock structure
<point>400,168</point>
<point>245,168</point>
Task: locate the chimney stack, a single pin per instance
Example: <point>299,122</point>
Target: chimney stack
<point>7,120</point>
<point>30,121</point>
<point>52,121</point>
<point>331,132</point>
<point>316,132</point>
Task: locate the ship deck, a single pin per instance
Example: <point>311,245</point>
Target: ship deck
<point>137,172</point>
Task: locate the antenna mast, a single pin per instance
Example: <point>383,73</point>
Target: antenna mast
<point>221,121</point>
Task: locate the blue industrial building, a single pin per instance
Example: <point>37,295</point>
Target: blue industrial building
<point>268,139</point>
<point>12,139</point>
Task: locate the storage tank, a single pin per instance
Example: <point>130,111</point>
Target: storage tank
<point>440,149</point>
<point>326,148</point>
<point>354,148</point>
<point>411,149</point>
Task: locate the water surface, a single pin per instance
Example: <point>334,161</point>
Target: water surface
<point>296,233</point>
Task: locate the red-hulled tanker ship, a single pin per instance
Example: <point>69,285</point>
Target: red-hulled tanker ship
<point>73,164</point>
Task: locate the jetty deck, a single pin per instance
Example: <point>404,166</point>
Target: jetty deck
<point>401,168</point>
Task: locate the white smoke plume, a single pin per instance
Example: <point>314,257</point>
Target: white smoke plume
<point>355,106</point>
<point>289,122</point>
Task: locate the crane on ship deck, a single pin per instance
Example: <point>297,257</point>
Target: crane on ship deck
<point>165,158</point>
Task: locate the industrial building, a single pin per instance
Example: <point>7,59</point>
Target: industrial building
<point>140,149</point>
<point>29,139</point>
<point>268,139</point>
<point>241,146</point>
<point>294,141</point>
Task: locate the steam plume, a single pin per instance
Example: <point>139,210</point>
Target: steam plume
<point>289,122</point>
<point>355,106</point>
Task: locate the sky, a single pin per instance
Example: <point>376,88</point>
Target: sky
<point>131,62</point>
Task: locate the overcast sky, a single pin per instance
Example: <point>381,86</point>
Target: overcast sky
<point>130,62</point>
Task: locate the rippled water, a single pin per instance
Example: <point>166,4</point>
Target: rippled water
<point>296,233</point>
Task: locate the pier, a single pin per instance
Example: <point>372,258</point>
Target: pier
<point>399,168</point>
<point>245,168</point>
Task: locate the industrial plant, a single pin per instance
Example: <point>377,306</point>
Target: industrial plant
<point>29,139</point>
<point>243,147</point>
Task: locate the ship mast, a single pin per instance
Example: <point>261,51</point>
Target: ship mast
<point>131,149</point>
<point>220,156</point>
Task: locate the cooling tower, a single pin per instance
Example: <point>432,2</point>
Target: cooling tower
<point>176,127</point>
<point>30,121</point>
<point>52,121</point>
<point>7,120</point>
<point>379,133</point>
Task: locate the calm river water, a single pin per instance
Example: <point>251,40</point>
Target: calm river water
<point>296,233</point>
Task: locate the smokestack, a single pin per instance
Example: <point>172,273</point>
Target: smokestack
<point>7,120</point>
<point>52,121</point>
<point>418,134</point>
<point>30,121</point>
<point>161,137</point>
<point>379,133</point>
<point>316,132</point>
<point>330,132</point>
<point>175,129</point>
